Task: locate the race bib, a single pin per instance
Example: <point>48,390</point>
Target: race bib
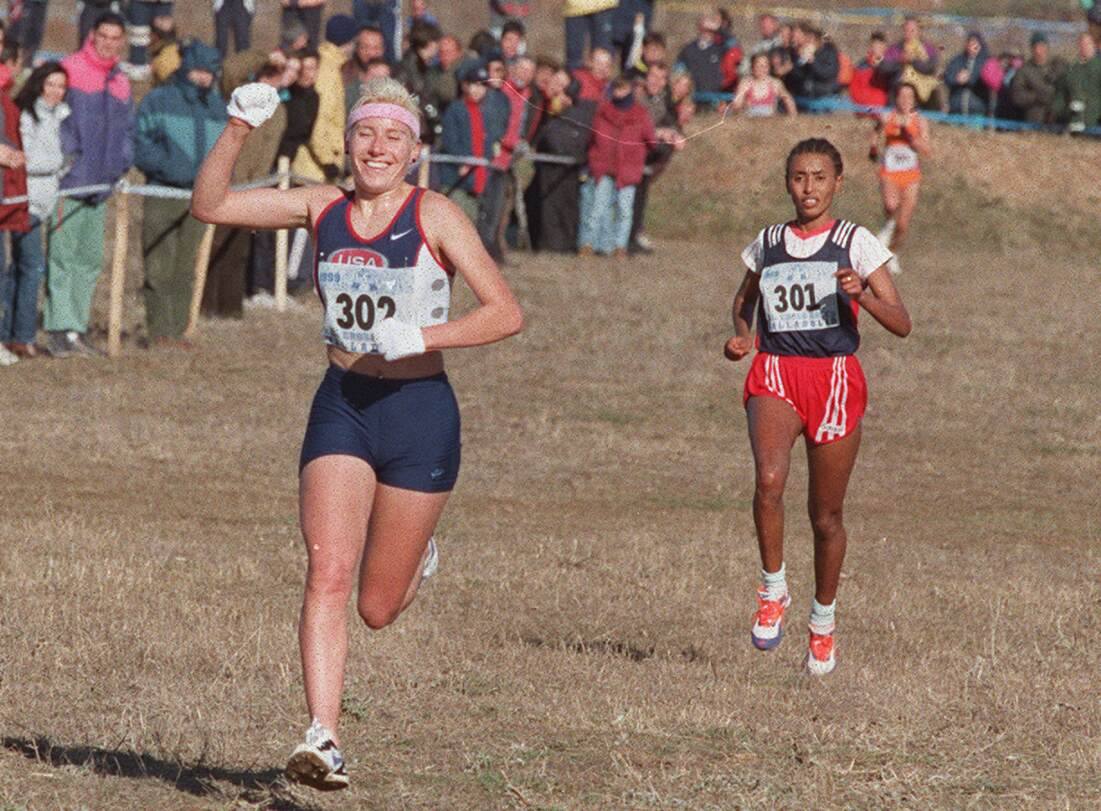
<point>800,296</point>
<point>900,158</point>
<point>358,297</point>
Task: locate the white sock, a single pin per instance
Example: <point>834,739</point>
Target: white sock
<point>776,583</point>
<point>821,617</point>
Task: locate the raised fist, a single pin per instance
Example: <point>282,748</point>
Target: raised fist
<point>253,103</point>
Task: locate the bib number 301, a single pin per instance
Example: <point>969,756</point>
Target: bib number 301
<point>361,311</point>
<point>798,297</point>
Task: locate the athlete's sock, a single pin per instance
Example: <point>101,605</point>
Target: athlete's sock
<point>887,232</point>
<point>821,617</point>
<point>776,583</point>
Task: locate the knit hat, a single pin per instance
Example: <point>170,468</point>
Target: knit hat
<point>1037,37</point>
<point>341,29</point>
<point>471,70</point>
<point>197,55</point>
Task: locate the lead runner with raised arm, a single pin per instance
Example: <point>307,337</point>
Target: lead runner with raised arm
<point>807,280</point>
<point>381,451</point>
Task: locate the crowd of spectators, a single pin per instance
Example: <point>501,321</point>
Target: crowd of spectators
<point>609,116</point>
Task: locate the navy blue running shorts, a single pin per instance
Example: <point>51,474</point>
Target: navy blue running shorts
<point>406,430</point>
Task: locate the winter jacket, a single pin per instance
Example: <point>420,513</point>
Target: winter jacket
<point>179,122</point>
<point>13,217</point>
<point>434,88</point>
<point>621,139</point>
<point>1077,101</point>
<point>818,77</point>
<point>459,125</point>
<point>578,8</point>
<point>323,157</point>
<point>1033,89</point>
<point>867,86</point>
<point>45,160</point>
<point>971,97</point>
<point>592,88</point>
<point>704,65</point>
<point>301,106</point>
<point>98,138</point>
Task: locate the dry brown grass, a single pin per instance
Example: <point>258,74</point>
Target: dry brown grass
<point>585,644</point>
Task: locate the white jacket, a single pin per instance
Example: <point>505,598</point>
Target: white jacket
<point>45,160</point>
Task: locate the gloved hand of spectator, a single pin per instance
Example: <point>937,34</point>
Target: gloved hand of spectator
<point>253,103</point>
<point>397,339</point>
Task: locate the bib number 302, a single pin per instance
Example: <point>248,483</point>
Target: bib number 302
<point>360,311</point>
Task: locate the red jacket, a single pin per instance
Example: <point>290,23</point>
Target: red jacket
<point>868,87</point>
<point>592,88</point>
<point>14,217</point>
<point>621,139</point>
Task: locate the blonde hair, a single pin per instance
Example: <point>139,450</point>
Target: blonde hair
<point>385,90</point>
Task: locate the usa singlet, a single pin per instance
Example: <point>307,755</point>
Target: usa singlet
<point>392,275</point>
<point>802,309</point>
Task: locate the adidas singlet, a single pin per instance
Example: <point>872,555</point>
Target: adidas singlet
<point>362,281</point>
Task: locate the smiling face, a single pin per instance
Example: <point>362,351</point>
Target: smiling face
<point>107,40</point>
<point>812,182</point>
<point>382,150</point>
<point>760,67</point>
<point>53,90</point>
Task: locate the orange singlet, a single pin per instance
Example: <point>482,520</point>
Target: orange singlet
<point>900,164</point>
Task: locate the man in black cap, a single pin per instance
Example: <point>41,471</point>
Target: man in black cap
<point>1034,85</point>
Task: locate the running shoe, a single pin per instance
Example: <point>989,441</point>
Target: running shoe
<point>768,621</point>
<point>432,562</point>
<point>820,658</point>
<point>317,763</point>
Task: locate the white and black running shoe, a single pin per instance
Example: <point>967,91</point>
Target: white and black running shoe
<point>317,763</point>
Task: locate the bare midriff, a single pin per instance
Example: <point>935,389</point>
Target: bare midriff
<point>426,365</point>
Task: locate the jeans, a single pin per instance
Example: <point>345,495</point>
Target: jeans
<point>19,286</point>
<point>29,29</point>
<point>310,19</point>
<point>381,15</point>
<point>606,224</point>
<point>596,27</point>
<point>232,17</point>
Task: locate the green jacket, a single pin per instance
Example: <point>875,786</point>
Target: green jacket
<point>1077,101</point>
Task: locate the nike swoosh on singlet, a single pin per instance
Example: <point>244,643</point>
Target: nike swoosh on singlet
<point>403,233</point>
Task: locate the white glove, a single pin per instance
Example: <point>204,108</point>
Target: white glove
<point>253,103</point>
<point>397,339</point>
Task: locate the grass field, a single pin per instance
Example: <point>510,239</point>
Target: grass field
<point>585,644</point>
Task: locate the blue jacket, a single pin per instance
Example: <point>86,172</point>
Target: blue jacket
<point>98,138</point>
<point>178,124</point>
<point>456,136</point>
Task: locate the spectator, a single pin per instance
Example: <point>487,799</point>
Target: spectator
<point>28,23</point>
<point>622,135</point>
<point>968,94</point>
<point>308,14</point>
<point>142,13</point>
<point>419,13</point>
<point>1077,100</point>
<point>525,116</point>
<point>450,55</point>
<point>425,79</point>
<point>653,51</point>
<point>369,47</point>
<point>473,127</point>
<point>512,43</point>
<point>732,52</point>
<point>382,15</point>
<point>90,11</point>
<point>781,57</point>
<point>1093,20</point>
<point>1000,73</point>
<point>226,280</point>
<point>682,91</point>
<point>703,57</point>
<point>1033,88</point>
<point>815,66</point>
<point>630,24</point>
<point>869,86</point>
<point>760,94</point>
<point>482,44</point>
<point>552,196</point>
<point>243,66</point>
<point>912,60</point>
<point>768,29</point>
<point>322,158</point>
<point>588,27</point>
<point>233,16</point>
<point>501,11</point>
<point>653,93</point>
<point>15,222</point>
<point>98,142</point>
<point>178,124</point>
<point>164,49</point>
<point>595,76</point>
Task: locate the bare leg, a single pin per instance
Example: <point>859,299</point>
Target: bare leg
<point>773,427</point>
<point>401,524</point>
<point>336,493</point>
<point>891,196</point>
<point>830,467</point>
<point>907,204</point>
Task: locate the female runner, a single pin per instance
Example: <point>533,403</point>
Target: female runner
<point>905,135</point>
<point>807,279</point>
<point>381,452</point>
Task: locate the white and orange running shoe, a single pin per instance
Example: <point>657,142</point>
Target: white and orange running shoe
<point>318,763</point>
<point>820,655</point>
<point>768,620</point>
